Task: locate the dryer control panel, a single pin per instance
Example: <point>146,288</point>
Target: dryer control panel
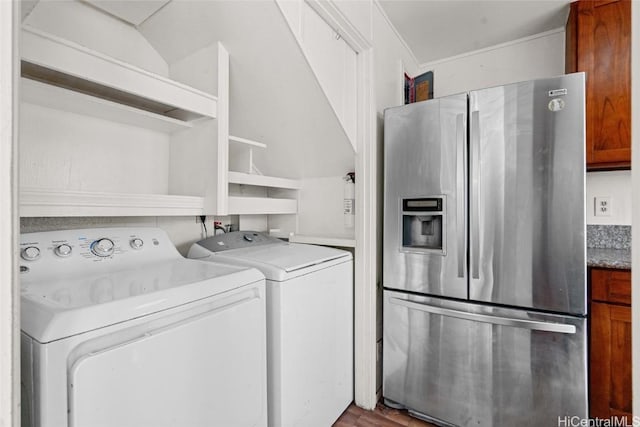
<point>71,250</point>
<point>238,240</point>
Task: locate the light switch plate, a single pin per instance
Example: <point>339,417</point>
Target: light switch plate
<point>602,206</point>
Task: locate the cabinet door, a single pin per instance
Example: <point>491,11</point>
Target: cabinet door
<point>610,367</point>
<point>603,51</point>
<point>611,286</point>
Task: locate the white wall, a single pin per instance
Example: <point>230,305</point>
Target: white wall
<point>67,151</point>
<point>85,25</point>
<point>529,58</point>
<point>324,195</point>
<point>533,57</point>
<point>392,57</point>
<point>614,184</point>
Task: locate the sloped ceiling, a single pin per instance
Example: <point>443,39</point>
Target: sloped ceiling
<point>275,97</point>
<point>132,11</point>
<point>438,29</point>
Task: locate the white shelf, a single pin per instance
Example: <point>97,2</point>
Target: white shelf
<point>51,203</point>
<point>247,142</point>
<point>263,181</point>
<point>46,95</point>
<point>261,206</point>
<point>343,242</point>
<point>60,62</point>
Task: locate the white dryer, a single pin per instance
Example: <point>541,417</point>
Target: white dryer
<point>118,329</point>
<point>309,323</point>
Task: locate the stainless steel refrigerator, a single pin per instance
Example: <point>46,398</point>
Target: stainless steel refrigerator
<point>485,256</point>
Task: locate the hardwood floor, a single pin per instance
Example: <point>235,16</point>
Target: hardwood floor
<point>382,416</point>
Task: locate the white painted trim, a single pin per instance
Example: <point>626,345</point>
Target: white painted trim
<point>341,25</point>
<point>635,185</point>
<point>9,292</point>
<point>395,31</point>
<point>366,233</point>
<point>402,70</point>
<point>222,183</point>
<point>429,65</point>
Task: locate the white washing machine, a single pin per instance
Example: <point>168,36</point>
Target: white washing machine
<point>118,329</point>
<point>309,323</point>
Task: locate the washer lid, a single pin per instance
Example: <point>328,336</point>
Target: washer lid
<point>64,306</point>
<point>281,262</point>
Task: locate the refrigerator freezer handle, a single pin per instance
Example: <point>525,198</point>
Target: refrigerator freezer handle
<point>533,325</point>
<point>460,193</point>
<point>475,205</point>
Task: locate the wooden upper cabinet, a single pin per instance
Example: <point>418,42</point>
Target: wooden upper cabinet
<point>598,41</point>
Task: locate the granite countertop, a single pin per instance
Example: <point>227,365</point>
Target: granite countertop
<point>609,246</point>
<point>609,258</point>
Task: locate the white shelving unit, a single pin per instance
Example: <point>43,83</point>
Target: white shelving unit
<point>241,159</point>
<point>61,75</point>
<point>35,202</point>
<point>246,142</point>
<point>239,205</point>
<point>263,181</point>
<point>64,63</point>
<point>59,98</point>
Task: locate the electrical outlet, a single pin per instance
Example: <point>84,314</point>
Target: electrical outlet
<point>602,206</point>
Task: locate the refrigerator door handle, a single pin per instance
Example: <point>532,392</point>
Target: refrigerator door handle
<point>460,193</point>
<point>475,205</point>
<point>533,325</point>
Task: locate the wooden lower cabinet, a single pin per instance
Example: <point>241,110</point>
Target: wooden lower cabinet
<point>610,346</point>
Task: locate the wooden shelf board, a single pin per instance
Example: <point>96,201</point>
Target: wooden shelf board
<point>247,141</point>
<point>263,181</point>
<point>239,205</point>
<point>344,242</point>
<point>50,203</point>
<point>46,95</point>
<point>60,62</point>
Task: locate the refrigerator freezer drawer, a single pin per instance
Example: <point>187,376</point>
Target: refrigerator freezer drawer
<point>472,365</point>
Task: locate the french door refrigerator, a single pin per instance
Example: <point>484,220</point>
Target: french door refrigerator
<point>484,256</point>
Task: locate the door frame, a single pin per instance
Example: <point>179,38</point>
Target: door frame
<point>366,218</point>
<point>9,291</point>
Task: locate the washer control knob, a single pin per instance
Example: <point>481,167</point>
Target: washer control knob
<point>248,237</point>
<point>136,243</point>
<point>102,247</point>
<point>30,253</point>
<point>62,250</point>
